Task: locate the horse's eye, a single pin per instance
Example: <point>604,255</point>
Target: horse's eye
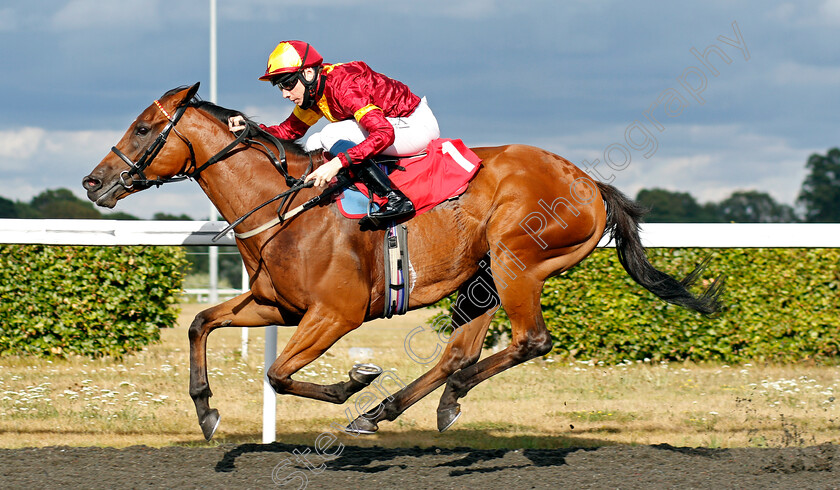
<point>142,130</point>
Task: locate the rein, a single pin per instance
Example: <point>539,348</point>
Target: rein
<point>138,177</point>
<point>284,195</point>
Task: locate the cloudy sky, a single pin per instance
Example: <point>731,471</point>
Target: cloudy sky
<point>702,97</point>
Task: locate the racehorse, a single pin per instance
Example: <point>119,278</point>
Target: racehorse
<point>527,215</point>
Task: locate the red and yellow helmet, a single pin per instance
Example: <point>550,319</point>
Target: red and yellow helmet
<point>290,57</point>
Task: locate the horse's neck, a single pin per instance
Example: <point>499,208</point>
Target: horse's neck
<point>241,182</point>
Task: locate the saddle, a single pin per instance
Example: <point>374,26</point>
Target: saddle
<point>443,172</point>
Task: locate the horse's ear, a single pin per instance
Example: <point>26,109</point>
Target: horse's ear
<point>182,96</point>
<point>190,93</point>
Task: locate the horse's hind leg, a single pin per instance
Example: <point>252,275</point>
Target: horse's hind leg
<point>242,311</point>
<point>474,307</point>
<point>531,339</point>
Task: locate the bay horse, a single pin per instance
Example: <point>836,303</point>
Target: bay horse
<point>527,215</point>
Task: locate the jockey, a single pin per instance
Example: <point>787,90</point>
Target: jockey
<point>370,115</point>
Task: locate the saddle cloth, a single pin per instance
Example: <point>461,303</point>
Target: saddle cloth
<point>442,173</point>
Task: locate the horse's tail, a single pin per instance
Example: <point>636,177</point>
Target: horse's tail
<point>623,217</point>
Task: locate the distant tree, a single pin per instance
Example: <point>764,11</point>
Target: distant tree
<point>8,209</point>
<point>820,192</point>
<point>710,213</point>
<point>25,211</point>
<point>754,207</point>
<point>56,204</point>
<point>121,216</point>
<point>171,217</point>
<point>674,207</point>
<point>63,204</point>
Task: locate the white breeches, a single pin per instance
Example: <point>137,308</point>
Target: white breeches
<point>411,134</point>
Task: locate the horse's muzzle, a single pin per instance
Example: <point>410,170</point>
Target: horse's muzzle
<point>99,192</point>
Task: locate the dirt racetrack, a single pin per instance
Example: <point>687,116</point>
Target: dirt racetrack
<point>255,466</point>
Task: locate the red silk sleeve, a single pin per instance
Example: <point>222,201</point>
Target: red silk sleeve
<point>290,129</point>
<point>380,136</point>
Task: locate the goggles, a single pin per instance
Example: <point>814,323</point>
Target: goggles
<point>285,82</point>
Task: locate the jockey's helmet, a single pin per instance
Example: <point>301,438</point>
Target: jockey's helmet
<point>291,57</point>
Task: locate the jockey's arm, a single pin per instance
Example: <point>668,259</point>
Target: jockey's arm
<point>380,136</point>
<point>294,127</point>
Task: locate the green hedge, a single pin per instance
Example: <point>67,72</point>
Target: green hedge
<point>92,301</point>
<point>781,305</point>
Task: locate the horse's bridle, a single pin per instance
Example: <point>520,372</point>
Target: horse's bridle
<point>136,172</point>
<point>136,169</point>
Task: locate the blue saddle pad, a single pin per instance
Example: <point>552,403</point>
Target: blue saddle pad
<point>354,204</point>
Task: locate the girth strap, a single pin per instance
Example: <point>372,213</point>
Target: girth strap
<point>397,271</point>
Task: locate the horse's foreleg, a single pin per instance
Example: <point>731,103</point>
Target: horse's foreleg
<point>242,311</point>
<point>317,332</point>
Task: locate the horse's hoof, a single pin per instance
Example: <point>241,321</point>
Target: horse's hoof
<point>362,426</point>
<point>447,417</point>
<point>365,373</point>
<point>210,423</point>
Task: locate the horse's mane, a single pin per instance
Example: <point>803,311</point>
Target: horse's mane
<point>223,114</point>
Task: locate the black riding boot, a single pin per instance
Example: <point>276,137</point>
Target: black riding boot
<point>398,206</point>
